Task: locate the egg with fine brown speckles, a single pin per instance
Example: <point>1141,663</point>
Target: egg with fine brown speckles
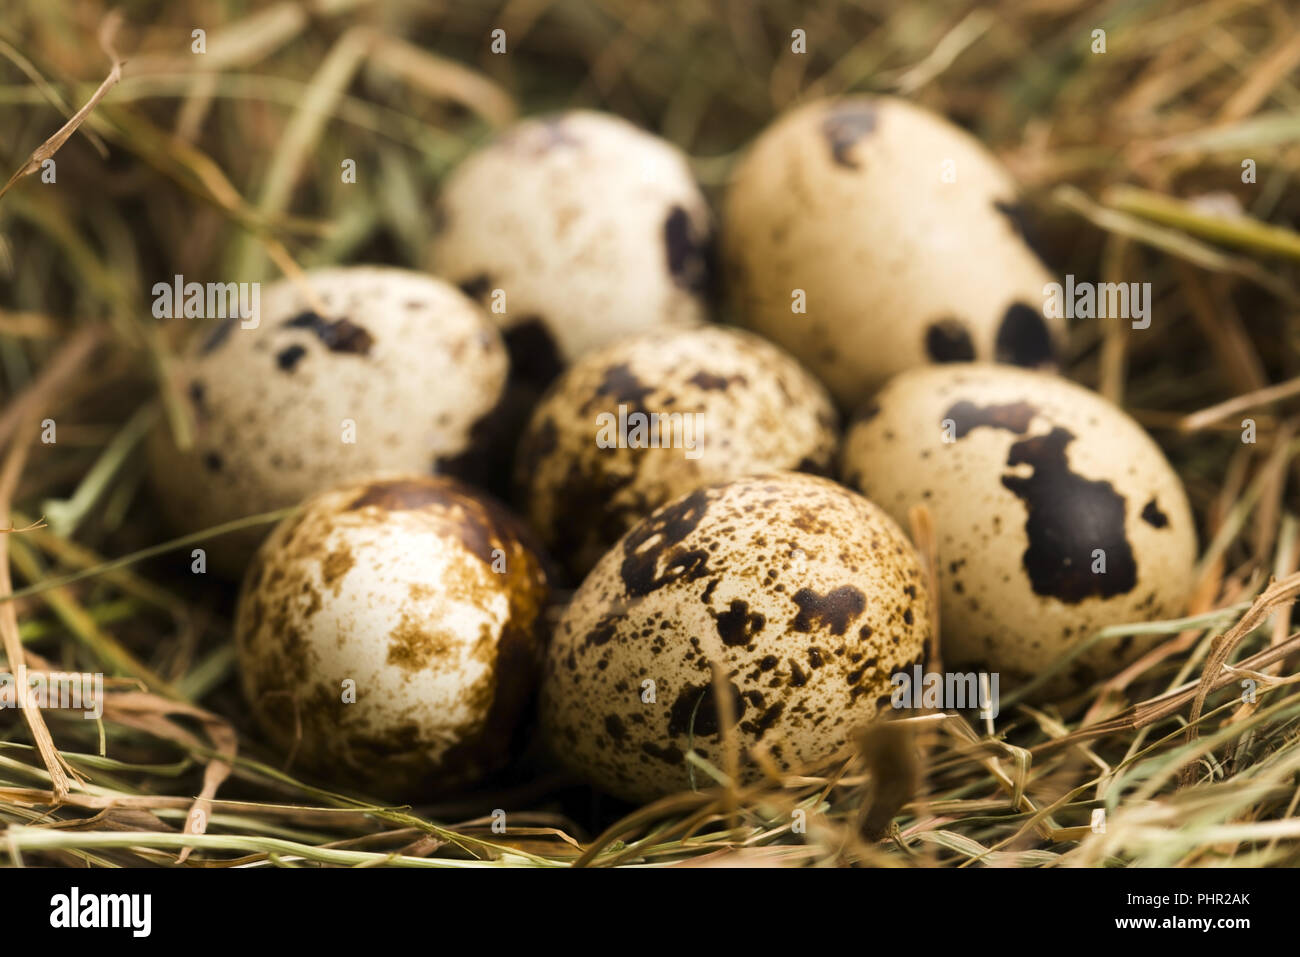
<point>576,229</point>
<point>401,372</point>
<point>868,235</point>
<point>806,596</point>
<point>1055,515</point>
<point>631,426</point>
<point>390,633</point>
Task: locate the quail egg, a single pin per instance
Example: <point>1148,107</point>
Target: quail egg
<point>804,594</point>
<point>635,424</point>
<point>389,634</point>
<point>401,373</point>
<point>1055,514</point>
<point>575,230</point>
<point>868,236</point>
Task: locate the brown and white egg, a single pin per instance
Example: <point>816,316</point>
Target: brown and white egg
<point>902,233</point>
<point>742,404</point>
<point>1055,514</point>
<point>419,598</point>
<point>592,230</point>
<point>401,372</point>
<point>804,594</point>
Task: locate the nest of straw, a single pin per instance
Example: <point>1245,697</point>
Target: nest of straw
<point>168,162</point>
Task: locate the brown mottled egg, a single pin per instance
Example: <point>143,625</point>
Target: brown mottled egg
<point>805,595</point>
<point>389,634</point>
<point>590,228</point>
<point>1055,514</point>
<point>402,372</point>
<point>868,236</point>
<point>634,425</point>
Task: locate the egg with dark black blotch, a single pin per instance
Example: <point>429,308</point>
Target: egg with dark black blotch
<point>1055,514</point>
<point>868,235</point>
<point>805,595</point>
<point>390,633</point>
<point>575,229</point>
<point>400,372</point>
<point>632,426</point>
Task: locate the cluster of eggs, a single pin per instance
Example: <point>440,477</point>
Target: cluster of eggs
<point>681,473</point>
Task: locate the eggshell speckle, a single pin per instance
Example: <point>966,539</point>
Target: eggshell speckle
<point>806,595</point>
<point>742,405</point>
<point>421,597</point>
<point>867,236</point>
<point>1055,514</point>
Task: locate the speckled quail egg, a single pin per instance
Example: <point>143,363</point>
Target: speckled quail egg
<point>805,595</point>
<point>390,634</point>
<point>1055,514</point>
<point>402,372</point>
<point>868,236</point>
<point>635,424</point>
<point>590,228</point>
